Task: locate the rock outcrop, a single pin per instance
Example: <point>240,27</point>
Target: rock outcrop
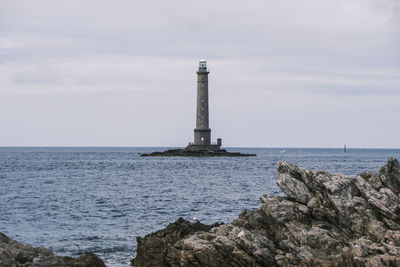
<point>325,220</point>
<point>152,248</point>
<point>13,253</point>
<point>196,153</point>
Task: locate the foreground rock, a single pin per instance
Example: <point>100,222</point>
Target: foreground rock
<point>325,220</point>
<point>199,153</point>
<point>13,253</point>
<point>152,248</point>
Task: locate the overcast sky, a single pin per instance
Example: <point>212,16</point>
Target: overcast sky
<point>283,73</point>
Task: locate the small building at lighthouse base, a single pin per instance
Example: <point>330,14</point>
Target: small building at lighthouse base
<point>205,147</point>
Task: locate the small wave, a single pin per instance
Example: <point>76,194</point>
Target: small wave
<point>92,238</point>
<point>103,250</point>
<point>118,215</point>
<point>113,249</point>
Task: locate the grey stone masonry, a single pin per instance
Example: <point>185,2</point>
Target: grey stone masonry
<point>202,132</point>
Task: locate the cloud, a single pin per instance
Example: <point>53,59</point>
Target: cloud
<point>39,75</point>
<point>222,29</point>
<point>273,64</point>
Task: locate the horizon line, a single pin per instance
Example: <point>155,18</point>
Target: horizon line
<point>98,146</point>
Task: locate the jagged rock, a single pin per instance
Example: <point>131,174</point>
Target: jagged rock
<point>152,249</point>
<point>325,220</point>
<point>13,253</point>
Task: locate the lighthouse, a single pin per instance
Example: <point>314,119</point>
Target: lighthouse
<point>202,145</point>
<point>202,132</point>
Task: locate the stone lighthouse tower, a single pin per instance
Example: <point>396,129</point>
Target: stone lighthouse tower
<point>202,132</point>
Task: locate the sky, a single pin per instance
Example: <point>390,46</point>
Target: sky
<point>283,73</point>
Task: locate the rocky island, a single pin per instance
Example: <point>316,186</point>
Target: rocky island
<point>196,153</point>
<point>324,220</point>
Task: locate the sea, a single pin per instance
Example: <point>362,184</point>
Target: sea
<point>99,199</point>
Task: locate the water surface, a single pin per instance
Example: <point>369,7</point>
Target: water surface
<point>75,199</point>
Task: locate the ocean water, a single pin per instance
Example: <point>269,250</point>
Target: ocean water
<point>74,199</point>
